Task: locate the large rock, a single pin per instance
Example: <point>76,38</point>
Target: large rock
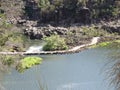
<point>40,32</point>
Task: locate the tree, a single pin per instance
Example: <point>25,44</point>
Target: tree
<point>54,42</point>
<point>43,3</point>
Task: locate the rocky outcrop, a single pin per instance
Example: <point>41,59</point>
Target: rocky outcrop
<point>40,32</point>
<point>13,10</point>
<point>112,27</point>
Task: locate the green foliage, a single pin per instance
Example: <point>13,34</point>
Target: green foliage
<point>7,60</point>
<point>75,38</point>
<point>93,31</point>
<point>27,63</point>
<point>81,3</point>
<point>103,9</point>
<point>10,37</point>
<point>43,3</point>
<point>54,42</point>
<point>104,44</point>
<point>99,9</point>
<point>115,45</point>
<point>109,44</point>
<point>2,15</point>
<point>58,3</point>
<point>3,22</point>
<point>3,40</point>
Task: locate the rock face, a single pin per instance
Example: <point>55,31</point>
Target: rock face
<point>112,29</point>
<point>40,32</point>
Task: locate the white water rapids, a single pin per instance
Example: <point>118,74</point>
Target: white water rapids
<point>34,49</point>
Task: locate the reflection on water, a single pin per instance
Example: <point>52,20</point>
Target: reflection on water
<point>80,71</point>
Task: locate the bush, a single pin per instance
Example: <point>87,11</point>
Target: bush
<point>7,60</point>
<point>43,3</point>
<point>27,63</point>
<point>93,31</point>
<point>54,42</point>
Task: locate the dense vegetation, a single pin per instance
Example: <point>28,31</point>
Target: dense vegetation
<point>27,63</point>
<point>11,38</point>
<point>18,62</point>
<point>78,10</point>
<point>54,42</point>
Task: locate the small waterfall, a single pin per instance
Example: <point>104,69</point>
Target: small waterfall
<point>34,49</point>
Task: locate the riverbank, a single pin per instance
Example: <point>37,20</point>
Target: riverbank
<point>75,49</point>
<point>94,40</point>
<point>74,36</point>
<point>74,33</point>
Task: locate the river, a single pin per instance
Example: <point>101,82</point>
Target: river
<point>85,70</point>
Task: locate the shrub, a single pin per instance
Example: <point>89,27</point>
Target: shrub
<point>109,44</point>
<point>54,42</point>
<point>10,38</point>
<point>93,31</point>
<point>43,3</point>
<point>27,63</point>
<point>7,60</point>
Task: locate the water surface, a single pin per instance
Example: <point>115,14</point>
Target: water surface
<point>81,71</point>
